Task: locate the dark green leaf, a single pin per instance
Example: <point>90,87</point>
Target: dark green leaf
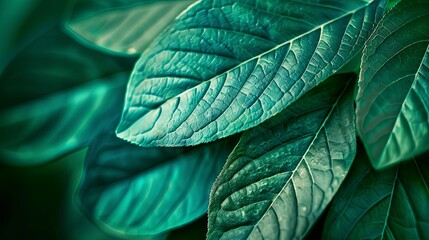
<point>283,173</point>
<point>53,62</point>
<point>388,204</point>
<point>54,95</point>
<point>391,4</point>
<point>143,191</point>
<point>21,22</point>
<point>237,64</point>
<point>393,97</point>
<point>125,26</point>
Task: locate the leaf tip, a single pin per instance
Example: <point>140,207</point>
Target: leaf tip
<point>122,131</point>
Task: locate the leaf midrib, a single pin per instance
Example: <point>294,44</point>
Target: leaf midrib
<point>401,109</point>
<point>322,126</point>
<point>390,202</point>
<point>266,52</point>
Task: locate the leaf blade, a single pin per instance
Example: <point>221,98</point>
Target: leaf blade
<point>54,95</point>
<point>393,200</point>
<point>274,184</point>
<point>147,191</point>
<point>252,75</point>
<point>394,71</point>
<point>42,134</point>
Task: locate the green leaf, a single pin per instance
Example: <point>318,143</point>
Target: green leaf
<point>21,22</point>
<point>388,204</point>
<point>237,64</point>
<point>391,4</point>
<point>144,191</point>
<point>52,63</point>
<point>54,95</point>
<point>283,173</point>
<point>41,131</point>
<point>122,27</point>
<point>393,97</point>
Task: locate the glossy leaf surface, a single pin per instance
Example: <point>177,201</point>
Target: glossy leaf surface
<point>144,191</point>
<point>237,64</point>
<point>54,95</point>
<point>125,26</point>
<point>388,204</point>
<point>393,98</point>
<point>283,173</point>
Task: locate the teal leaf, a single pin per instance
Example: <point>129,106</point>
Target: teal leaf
<point>393,97</point>
<point>123,27</point>
<point>43,130</point>
<point>139,191</point>
<point>54,95</point>
<point>237,64</point>
<point>283,173</point>
<point>388,204</point>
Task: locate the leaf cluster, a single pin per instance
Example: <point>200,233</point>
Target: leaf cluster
<point>280,119</point>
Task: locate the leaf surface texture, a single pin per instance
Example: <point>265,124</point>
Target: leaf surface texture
<point>388,204</point>
<point>146,191</point>
<point>283,173</point>
<point>237,64</point>
<point>393,97</point>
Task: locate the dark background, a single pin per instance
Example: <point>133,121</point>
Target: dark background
<point>37,203</point>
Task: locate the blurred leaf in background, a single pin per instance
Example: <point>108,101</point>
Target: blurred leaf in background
<point>54,95</point>
<point>21,21</point>
<point>136,192</point>
<point>124,27</point>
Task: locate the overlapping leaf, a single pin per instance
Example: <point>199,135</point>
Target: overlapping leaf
<point>388,204</point>
<point>283,173</point>
<point>125,26</point>
<point>393,98</point>
<point>54,96</point>
<point>238,63</point>
<point>144,191</point>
